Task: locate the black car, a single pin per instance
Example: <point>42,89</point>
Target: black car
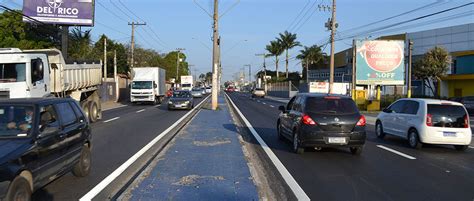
<point>321,120</point>
<point>41,140</point>
<point>181,100</point>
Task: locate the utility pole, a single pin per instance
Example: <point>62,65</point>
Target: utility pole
<point>105,59</point>
<point>215,55</point>
<point>410,49</point>
<point>191,71</point>
<point>132,47</point>
<point>64,40</point>
<point>264,70</point>
<point>250,72</point>
<point>354,56</point>
<point>177,63</point>
<point>115,77</point>
<point>332,25</point>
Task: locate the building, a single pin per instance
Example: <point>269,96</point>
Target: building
<point>457,40</point>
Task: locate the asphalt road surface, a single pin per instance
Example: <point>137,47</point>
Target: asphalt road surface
<point>120,134</point>
<point>387,169</point>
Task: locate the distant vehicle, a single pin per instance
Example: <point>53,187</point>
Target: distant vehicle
<point>41,140</point>
<point>196,93</point>
<point>203,90</point>
<point>208,90</point>
<point>187,82</point>
<point>258,92</point>
<point>230,89</point>
<point>467,101</point>
<point>320,120</point>
<point>44,73</point>
<point>148,85</point>
<point>426,121</point>
<point>237,89</point>
<point>181,100</point>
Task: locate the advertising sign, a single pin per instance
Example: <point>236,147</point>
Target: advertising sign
<point>380,62</point>
<point>60,12</point>
<point>323,87</point>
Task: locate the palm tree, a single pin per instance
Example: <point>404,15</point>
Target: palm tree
<point>288,41</point>
<point>310,55</point>
<point>275,49</point>
<point>80,43</point>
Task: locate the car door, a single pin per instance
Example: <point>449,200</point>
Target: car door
<point>294,116</point>
<point>284,117</point>
<point>72,127</point>
<point>398,116</point>
<point>388,120</point>
<point>407,117</point>
<point>50,146</point>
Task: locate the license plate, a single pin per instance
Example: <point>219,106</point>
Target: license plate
<point>337,140</point>
<point>449,134</point>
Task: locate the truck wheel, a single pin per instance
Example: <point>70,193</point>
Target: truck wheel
<point>19,190</point>
<point>85,109</point>
<point>93,112</point>
<point>83,167</point>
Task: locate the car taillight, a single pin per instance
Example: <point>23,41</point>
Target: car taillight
<point>307,120</point>
<point>466,121</point>
<point>429,120</point>
<point>361,121</point>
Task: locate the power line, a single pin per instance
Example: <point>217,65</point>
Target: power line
<point>111,28</point>
<point>307,19</point>
<point>299,14</point>
<point>305,14</point>
<point>113,13</point>
<point>123,5</point>
<point>115,5</point>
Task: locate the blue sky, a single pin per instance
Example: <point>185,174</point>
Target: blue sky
<point>251,24</point>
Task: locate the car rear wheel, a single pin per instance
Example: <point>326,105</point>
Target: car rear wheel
<point>19,190</point>
<point>356,150</point>
<point>379,130</point>
<point>461,147</point>
<point>83,167</point>
<point>414,139</point>
<point>296,144</point>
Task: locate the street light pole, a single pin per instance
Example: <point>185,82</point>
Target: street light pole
<point>177,63</point>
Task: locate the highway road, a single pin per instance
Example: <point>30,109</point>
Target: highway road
<point>121,133</point>
<point>387,169</point>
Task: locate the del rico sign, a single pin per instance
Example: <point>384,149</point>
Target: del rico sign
<point>380,62</point>
<point>60,12</point>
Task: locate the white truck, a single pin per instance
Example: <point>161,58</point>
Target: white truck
<point>44,73</point>
<point>186,82</point>
<point>148,85</point>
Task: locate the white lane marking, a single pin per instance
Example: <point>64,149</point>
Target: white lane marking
<point>258,101</point>
<point>115,108</point>
<point>117,172</point>
<point>272,106</point>
<point>113,119</point>
<point>140,110</point>
<point>158,105</point>
<point>396,152</point>
<point>471,147</point>
<point>264,103</point>
<point>294,186</point>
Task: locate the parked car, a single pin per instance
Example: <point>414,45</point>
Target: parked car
<point>41,140</point>
<point>258,92</point>
<point>467,101</point>
<point>181,100</point>
<point>208,90</point>
<point>321,120</point>
<point>196,93</point>
<point>426,121</point>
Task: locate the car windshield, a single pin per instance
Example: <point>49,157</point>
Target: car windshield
<point>331,105</point>
<point>142,85</point>
<point>447,115</point>
<point>181,94</point>
<point>186,85</point>
<point>12,72</point>
<point>15,121</point>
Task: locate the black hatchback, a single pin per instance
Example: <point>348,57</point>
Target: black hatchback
<point>41,140</point>
<point>322,120</point>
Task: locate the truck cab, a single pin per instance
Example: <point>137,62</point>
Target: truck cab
<point>143,91</point>
<point>148,85</point>
<point>23,75</point>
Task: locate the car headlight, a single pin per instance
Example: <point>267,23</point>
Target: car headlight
<point>187,102</point>
<point>169,102</point>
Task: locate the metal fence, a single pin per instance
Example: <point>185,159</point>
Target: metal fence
<point>282,89</point>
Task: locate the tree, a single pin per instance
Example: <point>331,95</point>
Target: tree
<point>275,49</point>
<point>432,66</point>
<point>98,54</point>
<point>16,33</point>
<point>310,55</point>
<point>80,44</point>
<point>288,41</point>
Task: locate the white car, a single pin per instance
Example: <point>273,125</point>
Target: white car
<point>426,121</point>
<point>208,90</point>
<point>258,92</point>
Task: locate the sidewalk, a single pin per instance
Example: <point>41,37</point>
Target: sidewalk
<point>204,161</point>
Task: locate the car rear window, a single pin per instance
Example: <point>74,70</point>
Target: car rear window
<point>331,105</point>
<point>447,115</point>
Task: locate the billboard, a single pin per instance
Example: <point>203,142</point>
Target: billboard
<point>60,12</point>
<point>380,62</point>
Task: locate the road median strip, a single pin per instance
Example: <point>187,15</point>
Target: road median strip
<point>396,152</point>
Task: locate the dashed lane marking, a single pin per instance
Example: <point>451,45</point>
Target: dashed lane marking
<point>113,119</point>
<point>272,106</point>
<point>140,111</point>
<point>396,152</point>
<point>157,106</point>
<point>471,147</point>
<point>264,103</point>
